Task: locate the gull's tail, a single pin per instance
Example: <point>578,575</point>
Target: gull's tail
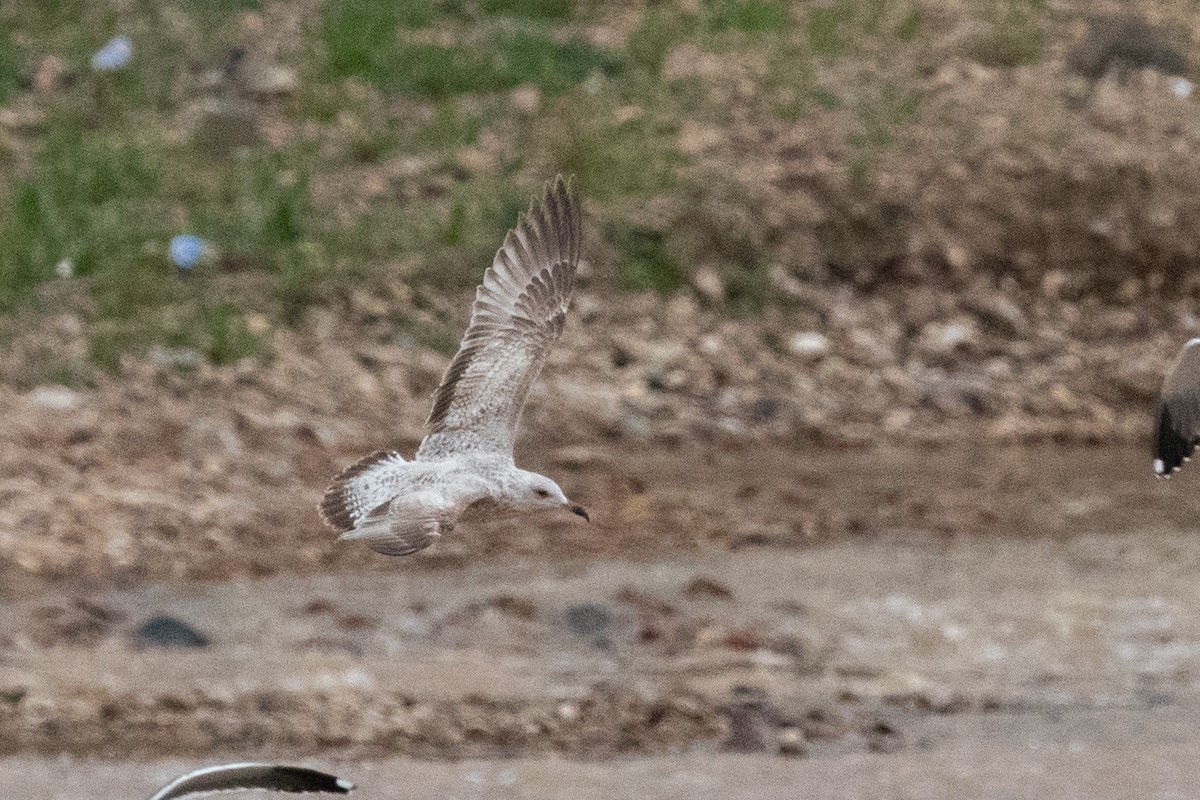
<point>361,488</point>
<point>253,776</point>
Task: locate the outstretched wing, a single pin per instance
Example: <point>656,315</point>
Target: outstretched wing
<point>253,776</point>
<point>361,488</point>
<point>1179,412</point>
<point>406,525</point>
<point>520,310</point>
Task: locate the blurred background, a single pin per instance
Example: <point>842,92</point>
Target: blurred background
<point>858,387</point>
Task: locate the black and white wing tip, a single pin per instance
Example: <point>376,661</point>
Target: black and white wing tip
<point>268,777</point>
<point>1178,430</point>
<point>1174,447</point>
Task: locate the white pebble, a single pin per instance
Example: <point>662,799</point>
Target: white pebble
<point>809,345</point>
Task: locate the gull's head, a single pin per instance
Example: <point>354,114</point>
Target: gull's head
<point>541,492</point>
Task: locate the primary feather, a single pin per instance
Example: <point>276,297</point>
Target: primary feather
<point>273,777</point>
<point>519,312</point>
<point>1178,430</point>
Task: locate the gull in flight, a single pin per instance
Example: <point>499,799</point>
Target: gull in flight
<point>465,463</point>
<point>273,777</point>
<point>1179,412</point>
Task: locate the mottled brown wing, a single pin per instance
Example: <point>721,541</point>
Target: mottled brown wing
<point>272,777</point>
<point>520,310</point>
<point>1179,412</point>
<point>390,532</point>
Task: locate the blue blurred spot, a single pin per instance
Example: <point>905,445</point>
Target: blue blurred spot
<point>186,250</point>
<point>113,55</point>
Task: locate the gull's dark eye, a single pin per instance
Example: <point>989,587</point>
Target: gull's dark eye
<point>541,492</point>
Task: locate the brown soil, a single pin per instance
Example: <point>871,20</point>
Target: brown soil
<point>899,523</point>
<point>972,601</point>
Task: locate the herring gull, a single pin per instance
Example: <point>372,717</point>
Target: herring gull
<point>272,777</point>
<point>465,463</point>
<point>1179,412</point>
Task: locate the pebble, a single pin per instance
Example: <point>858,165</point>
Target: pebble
<point>946,338</point>
<point>55,398</point>
<point>810,346</point>
<point>791,741</point>
<point>186,249</point>
<point>114,55</point>
<point>589,621</point>
<point>164,631</point>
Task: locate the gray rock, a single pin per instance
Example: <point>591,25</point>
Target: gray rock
<point>590,621</point>
<point>809,345</point>
<point>164,631</point>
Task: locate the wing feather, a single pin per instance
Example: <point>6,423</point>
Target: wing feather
<point>391,532</point>
<point>1179,412</point>
<point>519,312</point>
<point>275,777</point>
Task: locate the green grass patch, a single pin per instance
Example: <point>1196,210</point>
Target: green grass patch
<point>840,28</point>
<point>219,332</point>
<point>259,202</point>
<point>466,230</point>
<point>362,37</point>
<point>1014,35</point>
<point>452,124</point>
<point>643,260</point>
<point>553,66</point>
<point>531,9</point>
<point>663,28</point>
<point>364,42</point>
<point>612,156</point>
<point>11,66</point>
<point>882,118</point>
<point>91,201</point>
<point>747,16</point>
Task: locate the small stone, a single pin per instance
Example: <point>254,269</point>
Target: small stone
<point>1001,314</point>
<point>695,138</point>
<point>1054,282</point>
<point>589,620</point>
<point>627,114</point>
<point>1064,398</point>
<point>708,282</point>
<point>958,257</point>
<point>514,606</point>
<point>55,398</point>
<point>115,54</point>
<point>163,631</point>
<point>526,98</point>
<point>749,721</point>
<point>810,346</point>
<point>944,339</point>
<point>741,639</point>
<point>791,741</point>
<point>49,74</point>
<point>267,79</point>
<point>708,588</point>
<point>186,250</point>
